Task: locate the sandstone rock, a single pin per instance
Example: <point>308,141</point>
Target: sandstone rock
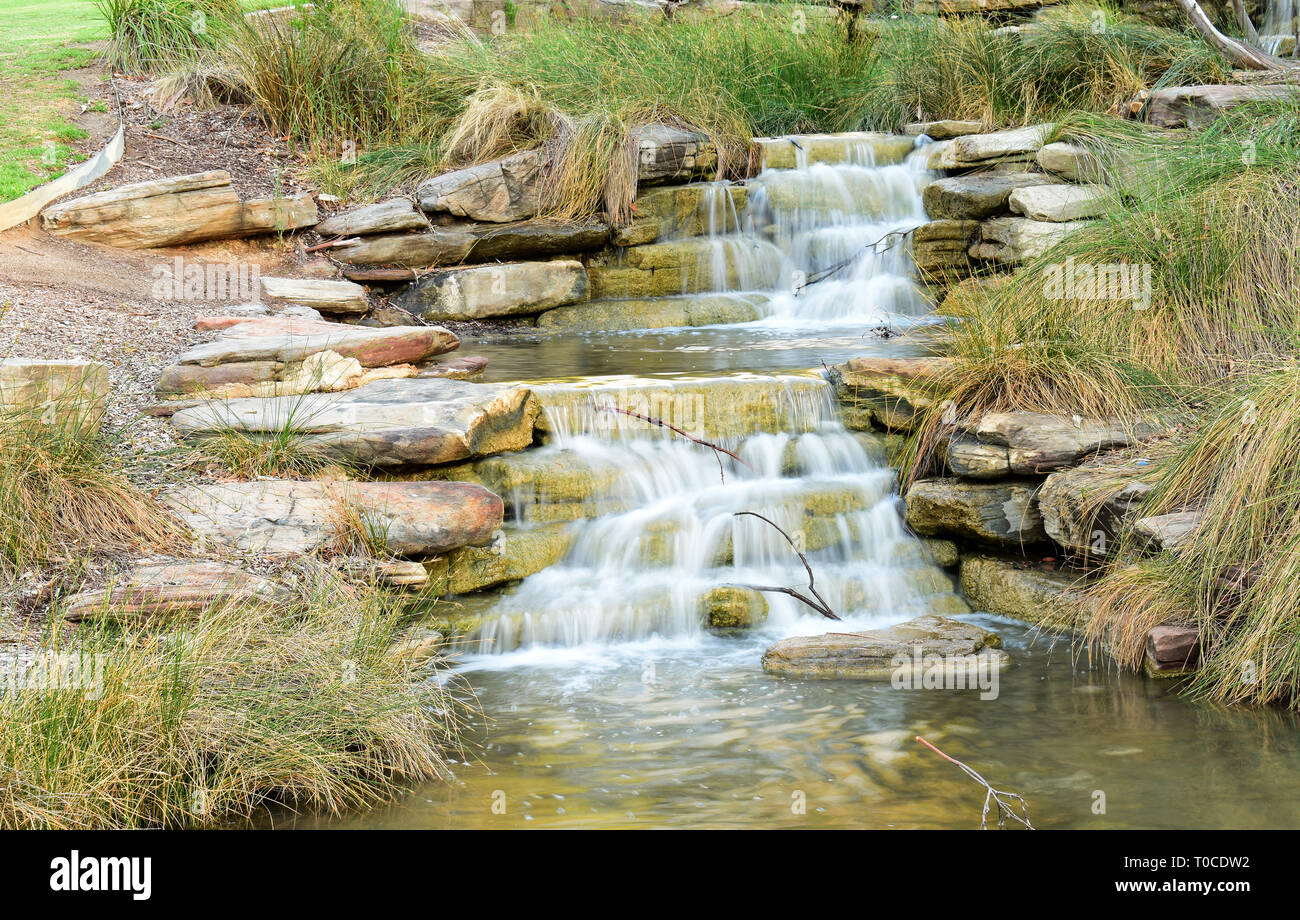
<point>1070,161</point>
<point>730,607</point>
<point>687,266</point>
<point>895,391</point>
<point>325,296</point>
<point>69,393</point>
<point>1086,508</point>
<point>392,216</point>
<point>1169,532</point>
<point>1023,591</point>
<point>1009,240</point>
<point>1059,203</point>
<point>943,553</point>
<point>500,191</point>
<point>885,653</point>
<point>977,196</point>
<point>943,130</point>
<point>176,590</point>
<point>464,367</point>
<point>283,517</point>
<point>659,313</point>
<point>515,553</point>
<point>972,150</point>
<point>1197,106</point>
<point>668,154</point>
<point>675,211</point>
<point>863,147</point>
<point>1172,650</point>
<point>505,289</point>
<point>1040,443</point>
<point>970,458</point>
<point>1002,512</point>
<point>455,244</point>
<point>939,248</point>
<point>170,212</point>
<point>387,424</point>
<point>391,573</point>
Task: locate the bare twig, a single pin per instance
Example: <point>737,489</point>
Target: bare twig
<point>819,604</point>
<point>992,795</point>
<point>333,244</point>
<point>673,428</point>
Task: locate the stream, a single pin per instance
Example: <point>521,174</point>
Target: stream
<point>606,702</point>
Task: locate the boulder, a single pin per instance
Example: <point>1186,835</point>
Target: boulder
<point>894,391</point>
<point>324,296</point>
<point>731,607</point>
<point>415,520</point>
<point>667,154</point>
<point>1037,442</point>
<point>454,244</point>
<point>1172,651</point>
<point>392,216</point>
<point>971,458</point>
<point>171,212</point>
<point>72,393</point>
<point>1003,512</point>
<point>1198,106</point>
<point>675,211</point>
<point>175,590</point>
<point>974,150</point>
<point>977,196</point>
<point>963,649</point>
<point>1010,240</point>
<point>503,289</point>
<point>500,191</point>
<point>939,248</point>
<point>1085,509</point>
<point>1070,162</point>
<point>659,313</point>
<point>387,424</point>
<point>1023,591</point>
<point>943,130</point>
<point>861,147</point>
<point>1059,203</point>
<point>1168,532</point>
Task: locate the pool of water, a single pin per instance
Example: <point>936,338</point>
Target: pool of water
<point>692,733</point>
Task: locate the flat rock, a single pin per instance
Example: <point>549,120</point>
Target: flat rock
<point>884,653</point>
<point>1001,512</point>
<point>1037,442</point>
<point>658,313</point>
<point>686,266</point>
<point>500,191</point>
<point>943,130</point>
<point>69,392</point>
<point>1059,203</point>
<point>285,517</point>
<point>325,296</point>
<point>392,216</point>
<point>1173,649</point>
<point>972,150</point>
<point>894,391</point>
<point>470,242</point>
<point>668,154</point>
<point>792,151</point>
<point>171,212</point>
<point>504,289</point>
<point>978,196</point>
<point>1197,106</point>
<point>1069,161</point>
<point>387,424</point>
<point>177,590</point>
<point>1023,591</point>
<point>1085,509</point>
<point>1169,532</point>
<point>1010,240</point>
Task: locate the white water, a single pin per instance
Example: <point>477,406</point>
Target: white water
<point>1278,24</point>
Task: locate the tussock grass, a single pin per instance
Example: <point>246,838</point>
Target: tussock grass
<point>1236,578</point>
<point>286,451</point>
<point>145,35</point>
<point>65,494</point>
<point>299,703</point>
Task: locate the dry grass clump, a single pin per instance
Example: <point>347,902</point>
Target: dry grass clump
<point>147,34</point>
<point>300,703</point>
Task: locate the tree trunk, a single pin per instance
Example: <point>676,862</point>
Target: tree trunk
<point>1240,53</point>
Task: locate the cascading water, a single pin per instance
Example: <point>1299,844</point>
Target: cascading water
<point>1279,27</point>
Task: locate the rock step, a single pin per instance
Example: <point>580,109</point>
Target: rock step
<point>974,197</point>
<point>342,297</point>
<point>687,266</point>
<point>793,151</point>
<point>498,290</point>
<point>1002,512</point>
<point>659,313</point>
<point>463,243</point>
<point>1022,590</point>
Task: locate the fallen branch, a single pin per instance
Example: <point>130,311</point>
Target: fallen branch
<point>819,604</point>
<point>992,795</point>
<point>673,428</point>
<point>333,244</point>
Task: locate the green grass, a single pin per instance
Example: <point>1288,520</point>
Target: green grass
<point>300,703</point>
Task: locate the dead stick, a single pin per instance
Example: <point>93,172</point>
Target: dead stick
<point>992,795</point>
<point>332,243</point>
<point>820,604</point>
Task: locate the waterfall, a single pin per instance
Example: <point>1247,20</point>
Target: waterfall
<point>1278,27</point>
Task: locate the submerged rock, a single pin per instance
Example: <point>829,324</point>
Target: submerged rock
<point>388,424</point>
<point>288,517</point>
<point>1003,512</point>
<point>964,648</point>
